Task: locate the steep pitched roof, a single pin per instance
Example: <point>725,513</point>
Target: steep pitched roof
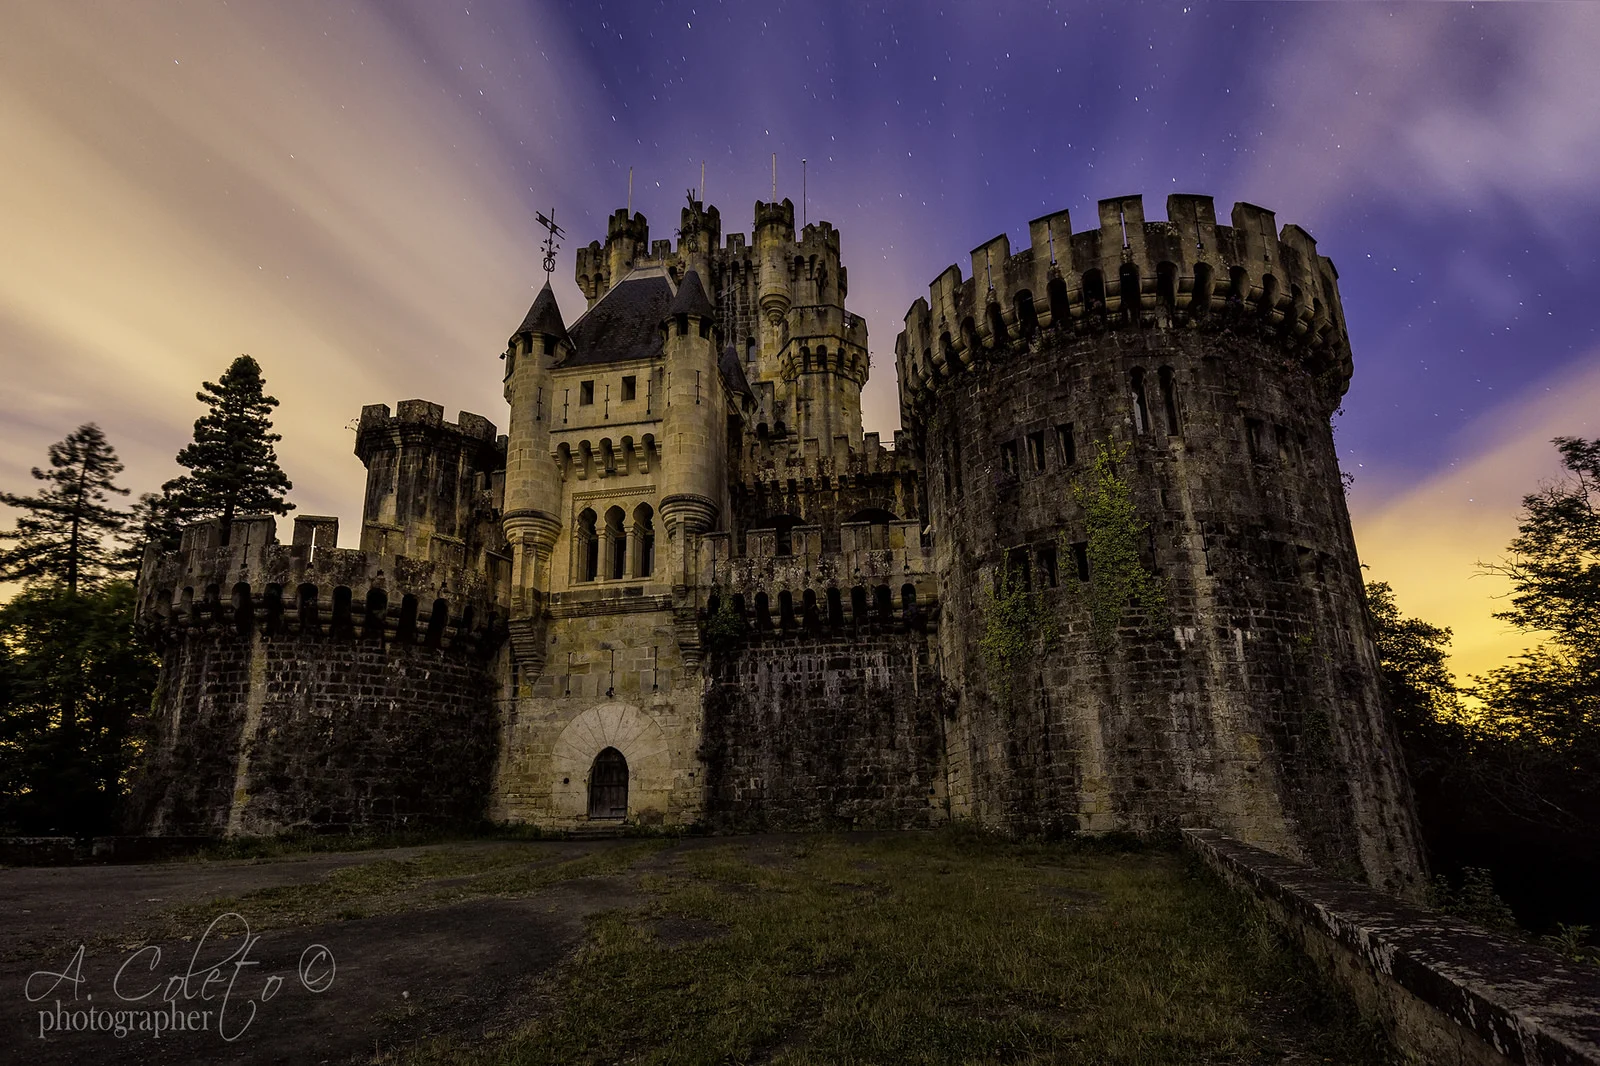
<point>544,317</point>
<point>625,324</point>
<point>733,373</point>
<point>691,298</point>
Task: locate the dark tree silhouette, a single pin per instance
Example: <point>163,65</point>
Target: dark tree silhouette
<point>62,533</point>
<point>233,468</point>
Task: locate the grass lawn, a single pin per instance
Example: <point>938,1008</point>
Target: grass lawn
<point>920,948</point>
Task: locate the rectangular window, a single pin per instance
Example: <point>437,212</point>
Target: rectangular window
<point>1036,451</point>
<point>1047,567</point>
<point>585,393</point>
<point>1252,437</point>
<point>1008,456</point>
<point>1064,441</point>
<point>1080,557</point>
<point>630,387</point>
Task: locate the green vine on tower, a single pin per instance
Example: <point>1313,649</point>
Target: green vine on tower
<point>1116,576</point>
<point>1014,626</point>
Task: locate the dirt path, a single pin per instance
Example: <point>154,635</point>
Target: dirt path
<point>395,976</point>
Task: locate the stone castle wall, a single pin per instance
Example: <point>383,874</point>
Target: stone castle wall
<point>306,686</point>
<point>1254,707</point>
<point>836,729</point>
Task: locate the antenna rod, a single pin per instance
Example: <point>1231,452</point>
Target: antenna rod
<point>630,192</point>
<point>774,177</point>
<point>802,192</point>
<point>702,181</point>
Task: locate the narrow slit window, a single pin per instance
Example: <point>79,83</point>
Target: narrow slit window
<point>1008,456</point>
<point>1048,577</point>
<point>1036,451</point>
<point>1066,444</point>
<point>1252,437</point>
<point>1080,559</point>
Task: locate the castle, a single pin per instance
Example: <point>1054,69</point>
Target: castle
<point>685,588</point>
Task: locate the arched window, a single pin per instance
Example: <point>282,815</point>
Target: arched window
<point>1167,285</point>
<point>1027,317</point>
<point>272,601</point>
<point>586,545</point>
<point>1269,297</point>
<point>835,608</point>
<point>244,614</point>
<point>883,600</point>
<point>763,611</point>
<point>998,336</point>
<point>608,786</point>
<point>1128,291</point>
<point>306,604</point>
<point>372,620</point>
<point>877,538</point>
<point>786,609</point>
<point>406,631</point>
<point>1094,291</point>
<point>342,625</point>
<point>1141,408</point>
<point>858,606</point>
<point>616,545</point>
<point>644,540</point>
<point>1056,297</point>
<point>438,618</point>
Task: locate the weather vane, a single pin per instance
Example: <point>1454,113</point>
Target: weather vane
<point>554,232</point>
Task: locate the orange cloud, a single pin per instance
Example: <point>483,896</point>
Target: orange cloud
<point>1427,539</point>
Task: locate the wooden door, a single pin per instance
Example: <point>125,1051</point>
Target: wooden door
<point>608,786</point>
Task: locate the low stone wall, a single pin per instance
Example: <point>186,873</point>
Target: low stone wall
<point>1445,991</point>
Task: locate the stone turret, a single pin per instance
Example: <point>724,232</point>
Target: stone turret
<point>699,235</point>
<point>531,518</point>
<point>774,237</point>
<point>427,481</point>
<point>599,268</point>
<point>694,424</point>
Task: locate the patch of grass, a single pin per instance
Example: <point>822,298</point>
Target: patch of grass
<point>930,948</point>
<point>386,886</point>
<point>300,842</point>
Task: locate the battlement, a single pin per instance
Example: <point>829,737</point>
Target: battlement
<point>417,416</point>
<point>813,463</point>
<point>786,583</point>
<point>780,215</point>
<point>1186,272</point>
<point>312,587</point>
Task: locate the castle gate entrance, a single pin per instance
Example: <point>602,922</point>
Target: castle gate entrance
<point>608,785</point>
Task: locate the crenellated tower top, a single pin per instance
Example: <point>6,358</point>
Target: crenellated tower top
<point>1186,272</point>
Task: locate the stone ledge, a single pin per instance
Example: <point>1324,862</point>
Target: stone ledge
<point>1446,991</point>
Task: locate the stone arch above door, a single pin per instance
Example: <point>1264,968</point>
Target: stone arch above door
<point>635,734</point>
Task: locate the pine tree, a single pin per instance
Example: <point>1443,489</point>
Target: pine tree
<point>61,536</point>
<point>233,468</point>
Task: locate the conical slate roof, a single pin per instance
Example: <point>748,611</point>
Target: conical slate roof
<point>544,317</point>
<point>691,298</point>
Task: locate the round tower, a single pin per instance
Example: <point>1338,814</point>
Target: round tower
<point>693,423</point>
<point>1190,368</point>
<point>531,516</point>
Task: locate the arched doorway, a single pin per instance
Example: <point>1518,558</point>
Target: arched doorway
<point>608,786</point>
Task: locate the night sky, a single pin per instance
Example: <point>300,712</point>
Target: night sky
<point>346,191</point>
